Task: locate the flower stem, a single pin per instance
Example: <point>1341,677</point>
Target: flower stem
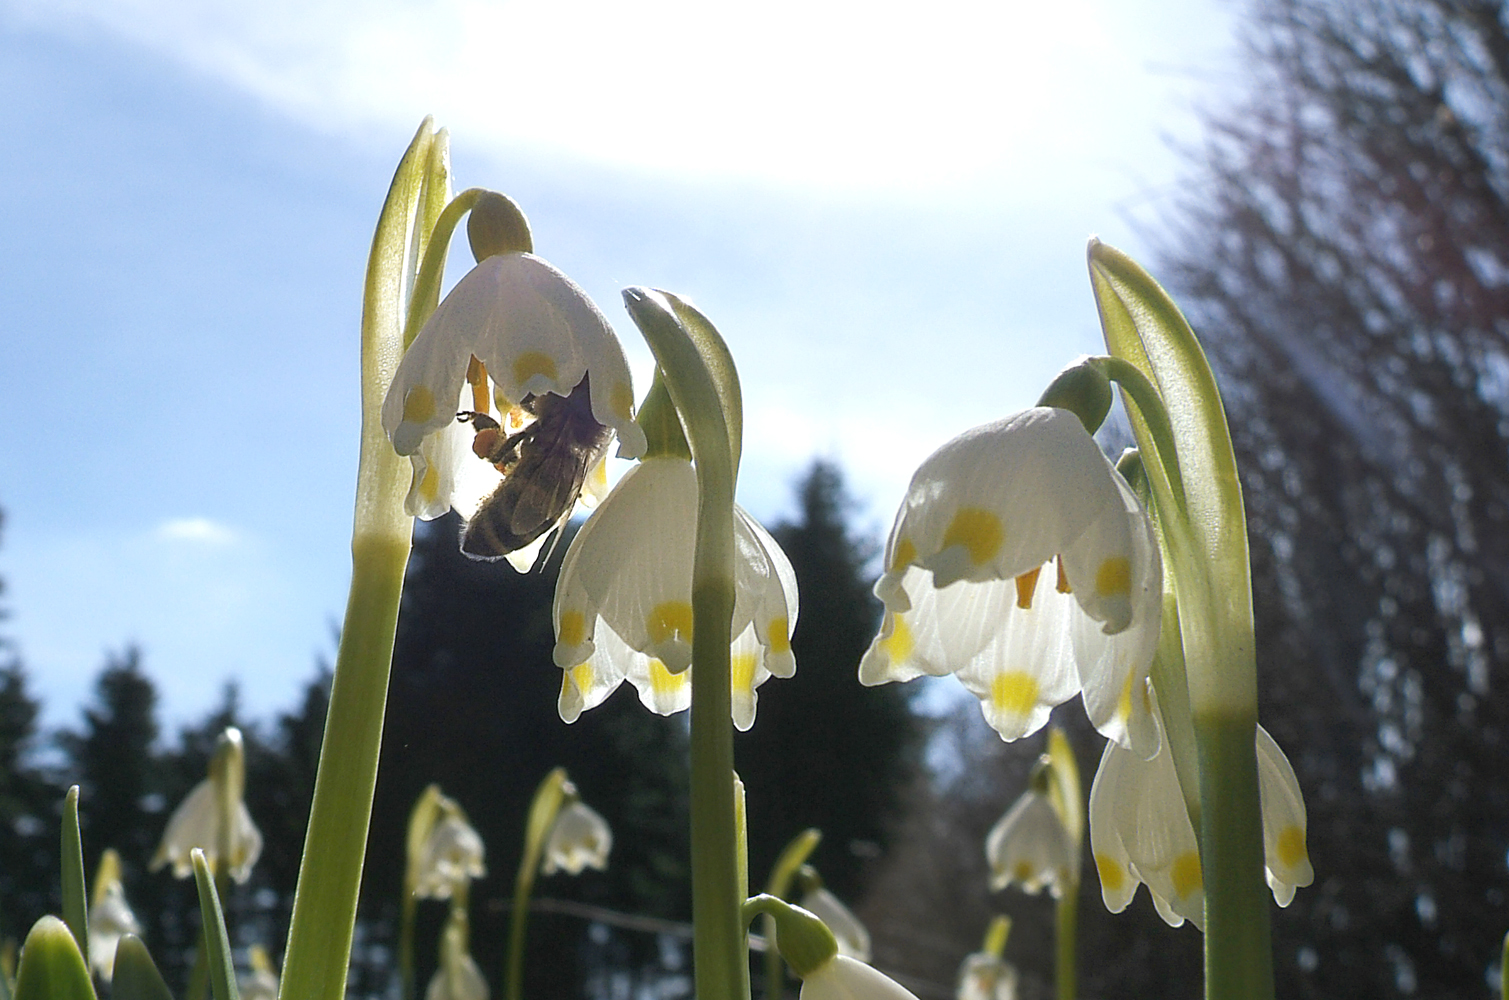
<point>1066,918</point>
<point>324,908</point>
<point>1238,949</point>
<point>548,798</point>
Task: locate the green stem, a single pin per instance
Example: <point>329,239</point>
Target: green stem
<point>1066,918</point>
<point>548,799</point>
<point>718,938</point>
<point>407,911</point>
<point>1238,949</point>
<point>786,866</point>
<point>324,908</point>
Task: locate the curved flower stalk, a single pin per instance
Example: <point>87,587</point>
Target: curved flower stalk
<point>809,947</point>
<point>110,916</point>
<point>1022,563</point>
<point>513,331</point>
<point>853,937</point>
<point>579,839</point>
<point>1141,834</point>
<point>623,605</point>
<point>213,818</point>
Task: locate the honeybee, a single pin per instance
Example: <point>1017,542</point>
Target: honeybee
<point>544,466</point>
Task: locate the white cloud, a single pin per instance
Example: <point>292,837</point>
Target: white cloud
<point>200,530</point>
<point>845,94</point>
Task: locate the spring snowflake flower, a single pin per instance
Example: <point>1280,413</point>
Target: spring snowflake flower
<point>984,516</point>
<point>579,838</point>
<point>452,855</point>
<point>845,978</point>
<point>1030,846</point>
<point>110,916</point>
<point>197,820</point>
<point>983,976</point>
<point>513,330</point>
<point>1140,832</point>
<point>852,936</point>
<point>262,982</point>
<point>458,977</point>
<point>623,606</point>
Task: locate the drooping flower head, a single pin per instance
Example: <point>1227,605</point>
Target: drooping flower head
<point>1141,833</point>
<point>579,839</point>
<point>1021,562</point>
<point>623,605</point>
<point>110,917</point>
<point>214,818</point>
<point>447,853</point>
<point>262,982</point>
<point>983,976</point>
<point>528,360</point>
<point>458,977</point>
<point>1030,846</point>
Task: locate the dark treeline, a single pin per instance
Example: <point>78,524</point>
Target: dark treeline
<point>472,707</point>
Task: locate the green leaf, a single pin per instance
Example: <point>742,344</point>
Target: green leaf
<point>52,967</point>
<point>75,897</point>
<point>1143,327</point>
<point>218,945</point>
<point>136,976</point>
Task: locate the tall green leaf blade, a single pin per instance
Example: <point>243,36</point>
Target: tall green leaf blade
<point>136,976</point>
<point>52,967</point>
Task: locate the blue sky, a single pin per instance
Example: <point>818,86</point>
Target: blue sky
<point>885,216</point>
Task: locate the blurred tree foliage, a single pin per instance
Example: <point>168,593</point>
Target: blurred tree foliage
<point>1344,250</point>
<point>826,751</point>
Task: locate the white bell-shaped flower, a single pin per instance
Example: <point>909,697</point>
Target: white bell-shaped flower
<point>1140,832</point>
<point>1030,847</point>
<point>623,605</point>
<point>852,936</point>
<point>966,592</point>
<point>458,977</point>
<point>579,839</point>
<point>845,978</point>
<point>513,328</point>
<point>110,916</point>
<point>983,976</point>
<point>262,982</point>
<point>452,855</point>
<point>197,822</point>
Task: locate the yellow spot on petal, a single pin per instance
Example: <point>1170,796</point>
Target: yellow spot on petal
<point>663,682</point>
<point>572,630</point>
<point>531,363</point>
<point>669,619</point>
<point>418,405</point>
<point>1291,846</point>
<point>776,634</point>
<point>899,644</point>
<point>1114,577</point>
<point>1014,692</point>
<point>906,554</point>
<point>1022,872</point>
<point>1185,874</point>
<point>1026,585</point>
<point>621,401</point>
<point>743,666</point>
<point>429,485</point>
<point>1112,875</point>
<point>979,531</point>
<point>581,676</point>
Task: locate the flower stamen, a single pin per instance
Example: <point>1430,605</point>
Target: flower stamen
<point>1026,585</point>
